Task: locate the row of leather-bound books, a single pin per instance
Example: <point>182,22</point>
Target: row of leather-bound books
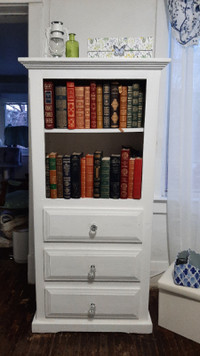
<point>94,104</point>
<point>75,175</point>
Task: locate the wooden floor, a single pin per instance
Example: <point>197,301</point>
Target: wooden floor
<point>17,306</point>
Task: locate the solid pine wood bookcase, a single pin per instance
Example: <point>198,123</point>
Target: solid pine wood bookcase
<point>92,256</point>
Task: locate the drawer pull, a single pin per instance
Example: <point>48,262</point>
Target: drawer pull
<point>93,230</point>
<point>92,310</point>
<point>91,274</point>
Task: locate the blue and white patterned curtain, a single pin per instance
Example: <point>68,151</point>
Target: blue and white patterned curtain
<point>185,20</point>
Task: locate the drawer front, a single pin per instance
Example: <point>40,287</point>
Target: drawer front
<point>93,263</point>
<point>93,225</point>
<point>92,303</point>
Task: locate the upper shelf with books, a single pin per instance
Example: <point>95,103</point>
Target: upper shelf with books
<point>95,63</point>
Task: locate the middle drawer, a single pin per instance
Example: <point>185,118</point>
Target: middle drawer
<point>93,263</point>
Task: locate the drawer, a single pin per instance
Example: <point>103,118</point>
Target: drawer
<point>91,303</point>
<point>94,225</point>
<point>93,263</point>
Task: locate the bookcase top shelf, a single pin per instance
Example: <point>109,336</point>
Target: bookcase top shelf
<point>92,131</point>
<point>94,63</point>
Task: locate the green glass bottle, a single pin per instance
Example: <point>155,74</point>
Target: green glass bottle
<point>72,46</point>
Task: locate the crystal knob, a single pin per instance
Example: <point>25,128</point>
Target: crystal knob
<point>91,273</point>
<point>92,310</point>
<point>93,230</point>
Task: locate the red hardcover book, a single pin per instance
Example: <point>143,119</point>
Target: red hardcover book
<point>93,105</point>
<point>71,105</point>
<point>89,172</point>
<point>137,179</point>
<point>130,177</point>
<point>49,105</point>
<point>125,155</point>
<point>82,177</point>
<point>87,107</point>
<point>79,105</point>
<point>99,106</point>
<point>123,107</point>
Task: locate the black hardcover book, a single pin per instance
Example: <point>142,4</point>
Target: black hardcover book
<point>97,174</point>
<point>76,175</point>
<point>66,177</point>
<point>106,105</point>
<point>115,172</point>
<point>114,105</point>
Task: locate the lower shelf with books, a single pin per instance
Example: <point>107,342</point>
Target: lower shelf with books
<point>75,175</point>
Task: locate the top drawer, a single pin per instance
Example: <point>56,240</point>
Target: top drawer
<point>93,225</point>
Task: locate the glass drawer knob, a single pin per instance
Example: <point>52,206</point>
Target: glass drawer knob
<point>91,274</point>
<point>92,310</point>
<point>93,230</point>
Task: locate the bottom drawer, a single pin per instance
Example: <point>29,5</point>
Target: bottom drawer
<point>83,302</point>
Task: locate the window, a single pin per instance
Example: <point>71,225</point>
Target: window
<point>16,114</point>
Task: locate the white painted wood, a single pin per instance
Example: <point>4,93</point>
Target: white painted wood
<point>65,223</point>
<point>109,302</point>
<point>76,225</point>
<point>112,263</point>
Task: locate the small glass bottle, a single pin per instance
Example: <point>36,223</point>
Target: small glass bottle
<point>72,46</point>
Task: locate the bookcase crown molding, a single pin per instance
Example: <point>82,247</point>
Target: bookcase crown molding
<point>95,64</point>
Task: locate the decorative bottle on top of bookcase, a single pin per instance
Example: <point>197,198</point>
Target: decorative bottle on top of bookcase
<point>72,46</point>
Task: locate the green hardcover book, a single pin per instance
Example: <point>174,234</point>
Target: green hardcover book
<point>136,88</point>
<point>105,177</point>
<point>129,106</point>
<point>61,106</point>
<point>115,171</point>
<point>114,105</point>
<point>140,108</point>
<point>97,174</point>
<point>47,177</point>
<point>106,105</point>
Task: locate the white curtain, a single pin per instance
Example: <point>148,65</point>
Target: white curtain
<point>184,150</point>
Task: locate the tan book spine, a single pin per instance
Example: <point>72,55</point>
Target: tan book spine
<point>99,106</point>
<point>123,108</point>
<point>79,106</point>
<point>87,107</point>
<point>89,169</point>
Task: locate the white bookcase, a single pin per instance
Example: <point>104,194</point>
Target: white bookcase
<point>90,280</point>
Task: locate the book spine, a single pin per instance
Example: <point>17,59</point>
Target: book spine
<point>52,175</point>
<point>59,175</point>
<point>93,106</point>
<point>123,107</point>
<point>87,107</point>
<point>114,105</point>
<point>105,178</point>
<point>76,175</point>
<point>136,88</point>
<point>71,105</point>
<point>140,108</point>
<point>97,174</point>
<point>115,176</point>
<point>125,155</point>
<point>83,177</point>
<point>130,177</point>
<point>48,194</point>
<point>66,177</point>
<point>137,179</point>
<point>129,106</point>
<point>89,168</point>
<point>61,106</point>
<point>49,105</point>
<point>99,106</point>
<point>79,106</point>
<point>106,105</point>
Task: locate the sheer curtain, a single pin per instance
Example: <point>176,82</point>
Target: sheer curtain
<point>184,150</point>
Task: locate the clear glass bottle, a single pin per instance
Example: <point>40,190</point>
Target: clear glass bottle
<point>72,46</point>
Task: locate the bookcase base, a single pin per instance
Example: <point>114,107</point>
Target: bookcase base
<point>143,326</point>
